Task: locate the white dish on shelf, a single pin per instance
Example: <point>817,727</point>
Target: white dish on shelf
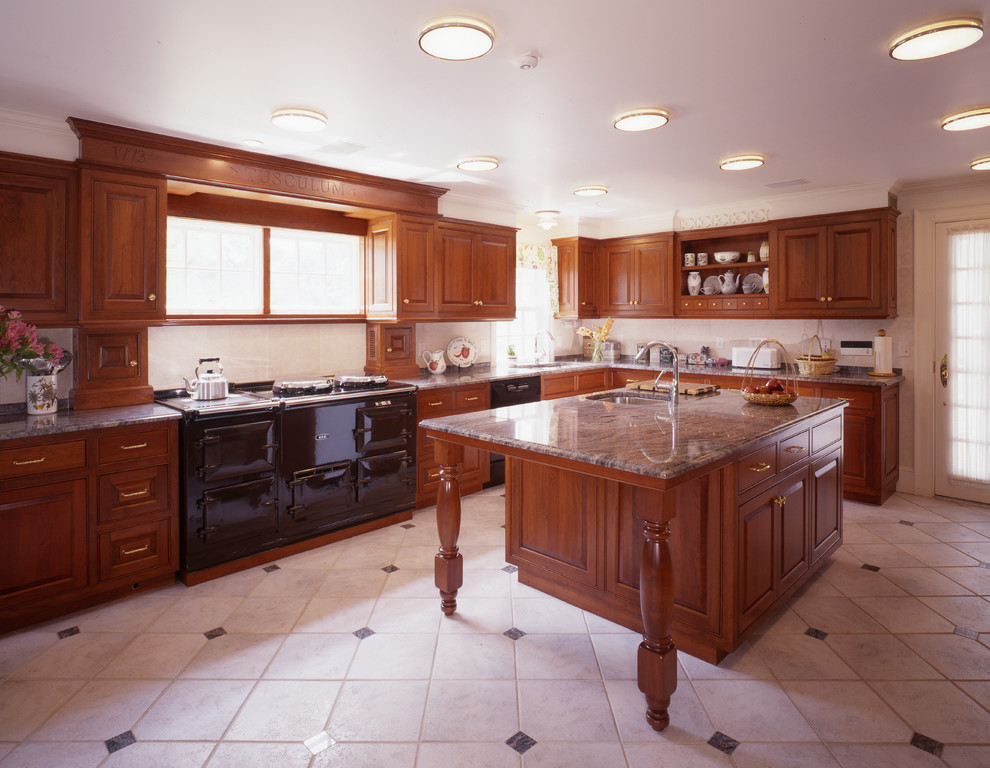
<point>727,257</point>
<point>462,352</point>
<point>753,282</point>
<point>711,286</point>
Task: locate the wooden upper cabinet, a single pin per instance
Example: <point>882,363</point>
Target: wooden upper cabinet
<point>842,265</point>
<point>37,239</point>
<point>122,246</point>
<point>399,273</point>
<point>379,269</point>
<point>576,277</point>
<point>475,271</point>
<point>635,277</point>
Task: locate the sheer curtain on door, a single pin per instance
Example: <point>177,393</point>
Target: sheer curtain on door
<point>969,351</point>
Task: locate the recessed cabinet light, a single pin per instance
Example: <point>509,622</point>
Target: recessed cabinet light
<point>641,119</point>
<point>983,164</point>
<point>591,190</point>
<point>478,164</point>
<point>968,120</point>
<point>742,162</point>
<point>299,119</point>
<point>456,38</point>
<point>936,39</point>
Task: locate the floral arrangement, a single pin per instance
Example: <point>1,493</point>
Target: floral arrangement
<point>22,351</point>
<point>599,333</point>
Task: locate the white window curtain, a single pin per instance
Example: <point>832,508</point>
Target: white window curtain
<point>969,354</point>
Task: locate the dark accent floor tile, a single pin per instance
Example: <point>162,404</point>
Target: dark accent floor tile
<point>503,525</point>
<point>68,632</point>
<point>868,567</point>
<point>982,565</point>
<point>407,526</point>
<point>723,743</point>
<point>926,744</point>
<point>510,569</point>
<point>120,741</point>
<point>271,568</point>
<point>362,633</point>
<point>514,634</point>
<point>972,634</point>
<point>818,634</point>
<point>213,634</point>
<point>390,569</point>
<point>905,522</point>
<point>521,742</point>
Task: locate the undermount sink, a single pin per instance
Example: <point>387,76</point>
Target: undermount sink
<point>610,397</point>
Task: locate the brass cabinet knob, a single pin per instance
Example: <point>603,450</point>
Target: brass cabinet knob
<point>388,349</point>
<point>584,303</point>
<point>152,297</point>
<point>405,301</point>
<point>829,298</point>
<point>133,363</point>
<point>822,298</point>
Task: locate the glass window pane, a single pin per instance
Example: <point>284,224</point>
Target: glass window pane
<point>326,271</point>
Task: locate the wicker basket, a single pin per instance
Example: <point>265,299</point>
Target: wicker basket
<point>777,398</point>
<point>810,364</point>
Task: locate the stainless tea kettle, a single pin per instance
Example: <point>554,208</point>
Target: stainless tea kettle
<point>209,385</point>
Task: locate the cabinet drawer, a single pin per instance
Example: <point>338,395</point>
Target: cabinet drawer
<point>858,398</point>
<point>136,548</point>
<point>133,492</point>
<point>591,381</point>
<point>434,403</point>
<point>471,399</point>
<point>792,450</point>
<point>557,385</point>
<point>36,459</point>
<point>134,445</point>
<point>755,467</point>
<point>825,434</point>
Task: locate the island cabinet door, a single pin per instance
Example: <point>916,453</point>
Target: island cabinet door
<point>756,562</point>
<point>791,536</point>
<point>826,490</point>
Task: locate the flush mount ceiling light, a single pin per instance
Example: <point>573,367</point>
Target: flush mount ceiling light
<point>299,119</point>
<point>983,164</point>
<point>968,120</point>
<point>591,190</point>
<point>936,39</point>
<point>641,119</point>
<point>547,219</point>
<point>252,142</point>
<point>456,38</point>
<point>478,164</point>
<point>742,162</point>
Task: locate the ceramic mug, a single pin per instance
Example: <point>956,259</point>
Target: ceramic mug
<point>688,259</point>
<point>702,259</point>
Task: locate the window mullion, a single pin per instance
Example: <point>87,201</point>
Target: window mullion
<point>266,263</point>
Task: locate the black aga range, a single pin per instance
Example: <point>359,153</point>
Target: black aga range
<point>278,462</point>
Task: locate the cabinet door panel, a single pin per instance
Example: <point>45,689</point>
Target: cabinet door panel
<point>379,278</point>
<point>415,253</point>
<point>454,272</point>
<point>854,266</point>
<point>494,275</point>
<point>797,282</point>
<point>617,280</point>
<point>653,278</point>
<point>792,540</point>
<point>859,461</point>
<point>826,528</point>
<point>756,561</point>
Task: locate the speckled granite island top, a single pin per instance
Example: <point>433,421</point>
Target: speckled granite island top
<point>656,440</point>
<point>19,424</point>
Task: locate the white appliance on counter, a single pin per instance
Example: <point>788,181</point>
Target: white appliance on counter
<point>765,358</point>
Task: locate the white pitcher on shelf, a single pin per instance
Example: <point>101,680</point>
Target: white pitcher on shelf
<point>434,361</point>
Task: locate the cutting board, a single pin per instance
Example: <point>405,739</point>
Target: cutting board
<point>684,389</point>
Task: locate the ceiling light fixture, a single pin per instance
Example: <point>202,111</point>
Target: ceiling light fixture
<point>742,162</point>
<point>591,190</point>
<point>456,38</point>
<point>983,164</point>
<point>641,119</point>
<point>478,164</point>
<point>547,219</point>
<point>936,39</point>
<point>968,120</point>
<point>252,142</point>
<point>299,119</point>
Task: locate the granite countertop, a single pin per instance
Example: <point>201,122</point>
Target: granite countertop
<point>484,373</point>
<point>18,424</point>
<point>661,440</point>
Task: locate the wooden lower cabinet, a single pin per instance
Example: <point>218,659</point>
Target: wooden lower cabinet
<point>554,385</point>
<point>86,517</point>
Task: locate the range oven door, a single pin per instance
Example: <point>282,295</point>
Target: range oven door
<point>386,482</point>
<point>383,426</point>
<point>228,451</point>
<point>319,500</point>
<point>230,521</point>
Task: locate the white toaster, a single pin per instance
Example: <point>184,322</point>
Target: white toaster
<point>767,357</point>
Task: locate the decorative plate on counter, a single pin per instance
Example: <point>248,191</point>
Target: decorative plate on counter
<point>462,352</point>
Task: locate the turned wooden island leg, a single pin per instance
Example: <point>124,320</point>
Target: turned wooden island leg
<point>657,656</point>
<point>448,563</point>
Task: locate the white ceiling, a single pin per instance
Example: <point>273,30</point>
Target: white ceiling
<point>809,84</point>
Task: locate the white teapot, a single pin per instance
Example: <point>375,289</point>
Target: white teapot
<point>434,361</point>
<point>729,282</point>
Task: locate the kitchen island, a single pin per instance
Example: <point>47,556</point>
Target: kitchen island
<point>689,522</point>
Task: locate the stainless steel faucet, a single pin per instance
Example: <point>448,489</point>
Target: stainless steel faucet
<point>548,351</point>
<point>645,351</point>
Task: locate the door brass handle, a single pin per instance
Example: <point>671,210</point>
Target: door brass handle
<point>779,500</point>
<point>145,548</point>
<point>132,494</point>
<point>943,371</point>
<point>29,461</point>
<point>761,467</point>
<point>132,447</point>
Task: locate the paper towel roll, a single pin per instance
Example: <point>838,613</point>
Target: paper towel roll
<point>883,354</point>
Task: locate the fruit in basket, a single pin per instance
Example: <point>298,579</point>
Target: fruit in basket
<point>751,390</point>
<point>774,385</point>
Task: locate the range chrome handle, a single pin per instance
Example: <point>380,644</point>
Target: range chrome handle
<point>145,548</point>
<point>29,461</point>
<point>761,467</point>
<point>943,371</point>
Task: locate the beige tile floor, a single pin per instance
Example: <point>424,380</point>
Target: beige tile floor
<point>905,657</point>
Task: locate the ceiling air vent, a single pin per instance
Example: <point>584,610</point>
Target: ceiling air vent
<point>785,184</point>
<point>892,200</point>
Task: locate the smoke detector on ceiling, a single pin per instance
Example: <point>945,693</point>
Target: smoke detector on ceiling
<point>524,61</point>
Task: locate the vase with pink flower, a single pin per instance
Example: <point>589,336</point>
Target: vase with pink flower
<point>23,352</point>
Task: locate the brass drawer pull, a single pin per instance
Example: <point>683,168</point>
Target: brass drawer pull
<point>132,447</point>
<point>132,494</point>
<point>761,467</point>
<point>432,475</point>
<point>794,449</point>
<point>145,548</point>
<point>845,399</point>
<point>471,399</point>
<point>30,461</point>
<point>440,402</point>
<point>779,500</point>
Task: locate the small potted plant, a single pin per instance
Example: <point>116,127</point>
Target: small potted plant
<point>511,351</point>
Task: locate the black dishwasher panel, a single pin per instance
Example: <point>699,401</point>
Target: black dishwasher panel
<point>524,389</point>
